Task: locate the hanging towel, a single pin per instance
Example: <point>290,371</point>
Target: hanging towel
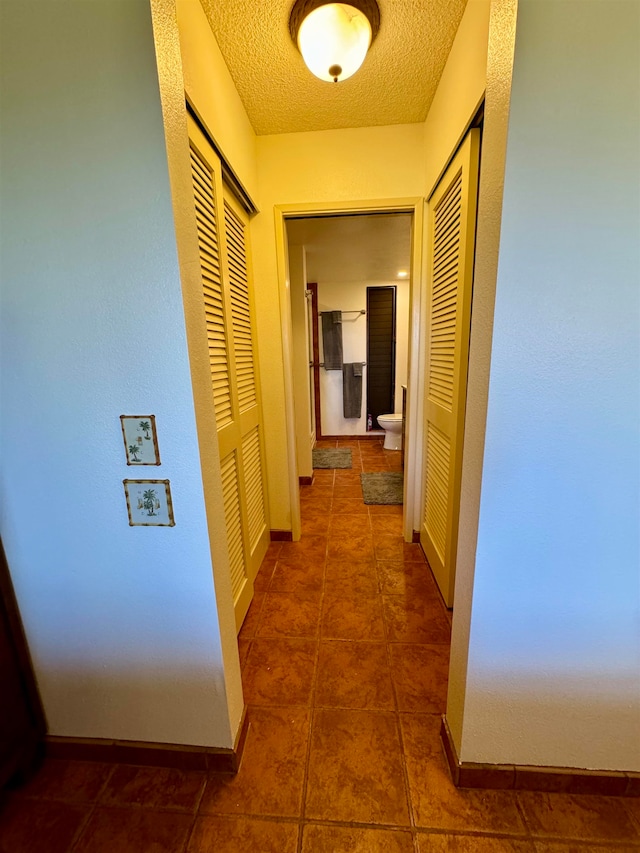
<point>352,389</point>
<point>332,339</point>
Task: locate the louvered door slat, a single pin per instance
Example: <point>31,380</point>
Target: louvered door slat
<point>252,464</point>
<point>450,256</point>
<point>233,520</point>
<point>240,310</point>
<point>206,222</point>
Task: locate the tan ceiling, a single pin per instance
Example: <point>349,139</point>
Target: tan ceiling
<point>395,85</point>
<point>369,247</point>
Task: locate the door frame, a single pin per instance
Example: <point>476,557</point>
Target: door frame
<point>413,450</point>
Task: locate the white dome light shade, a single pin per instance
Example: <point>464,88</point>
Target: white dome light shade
<point>334,40</point>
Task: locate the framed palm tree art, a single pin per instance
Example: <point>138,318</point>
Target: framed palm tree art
<point>149,503</point>
<point>140,439</point>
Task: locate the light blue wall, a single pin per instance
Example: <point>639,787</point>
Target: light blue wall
<point>121,621</point>
<point>554,664</point>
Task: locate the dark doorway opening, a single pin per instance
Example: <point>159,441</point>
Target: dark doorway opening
<point>381,352</point>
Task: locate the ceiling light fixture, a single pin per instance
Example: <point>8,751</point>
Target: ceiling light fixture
<point>334,38</point>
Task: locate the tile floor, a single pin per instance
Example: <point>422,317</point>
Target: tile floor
<point>344,655</point>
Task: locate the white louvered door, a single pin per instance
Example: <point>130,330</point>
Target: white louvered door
<point>450,250</point>
<point>228,305</point>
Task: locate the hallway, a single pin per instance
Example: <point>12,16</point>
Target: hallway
<point>344,655</point>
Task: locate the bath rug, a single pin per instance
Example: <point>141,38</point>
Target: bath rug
<point>382,487</point>
<point>339,457</point>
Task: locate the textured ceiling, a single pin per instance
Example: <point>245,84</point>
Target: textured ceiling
<point>395,85</point>
<point>368,247</point>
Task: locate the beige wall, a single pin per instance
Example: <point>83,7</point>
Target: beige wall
<point>212,91</point>
<point>460,91</point>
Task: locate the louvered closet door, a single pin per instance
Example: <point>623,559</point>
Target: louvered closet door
<point>450,248</point>
<point>228,305</point>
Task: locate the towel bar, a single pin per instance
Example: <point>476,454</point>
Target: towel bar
<point>352,311</point>
<point>321,363</point>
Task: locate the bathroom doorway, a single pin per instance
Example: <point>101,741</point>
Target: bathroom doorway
<point>356,270</point>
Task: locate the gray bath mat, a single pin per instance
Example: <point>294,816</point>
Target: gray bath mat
<point>382,487</point>
<point>339,457</point>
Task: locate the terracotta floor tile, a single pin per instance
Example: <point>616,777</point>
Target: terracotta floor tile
<point>348,506</point>
<point>573,816</point>
<point>323,476</point>
<point>154,787</point>
<point>242,835</point>
<point>273,551</point>
<point>316,493</point>
<point>343,526</point>
<point>371,464</point>
<point>252,619</point>
<point>355,768</point>
<point>471,844</point>
<point>389,524</point>
<point>347,475</point>
<point>409,579</point>
<point>315,523</point>
<point>70,781</point>
<point>279,672</point>
<point>350,491</point>
<point>356,548</point>
<point>386,509</point>
<point>420,677</point>
<point>134,831</point>
<point>326,443</point>
<point>263,578</point>
<point>436,802</point>
<point>310,547</point>
<point>290,614</point>
<point>243,650</point>
<point>352,618</point>
<point>413,553</point>
<point>298,575</point>
<point>340,839</point>
<point>410,619</point>
<point>347,578</point>
<point>31,826</point>
<point>271,773</point>
<point>388,546</point>
<point>353,675</point>
<point>580,847</point>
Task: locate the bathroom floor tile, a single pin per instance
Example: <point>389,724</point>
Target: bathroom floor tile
<point>346,578</point>
<point>309,547</point>
<point>271,773</point>
<point>420,676</point>
<point>348,506</point>
<point>406,579</point>
<point>410,619</point>
<point>342,839</point>
<point>345,746</point>
<point>290,614</point>
<point>279,672</point>
<point>344,526</point>
<point>134,831</point>
<point>352,618</point>
<point>436,802</point>
<point>580,817</point>
<point>298,575</point>
<point>431,843</point>
<point>353,675</point>
<point>263,578</point>
<point>357,548</point>
<point>387,524</point>
<point>154,787</point>
<point>252,619</point>
<point>69,781</point>
<point>27,826</point>
<point>388,546</point>
<point>242,835</point>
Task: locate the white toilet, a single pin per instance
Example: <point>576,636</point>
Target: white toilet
<point>392,426</point>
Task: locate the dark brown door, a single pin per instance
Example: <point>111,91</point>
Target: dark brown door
<point>381,351</point>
